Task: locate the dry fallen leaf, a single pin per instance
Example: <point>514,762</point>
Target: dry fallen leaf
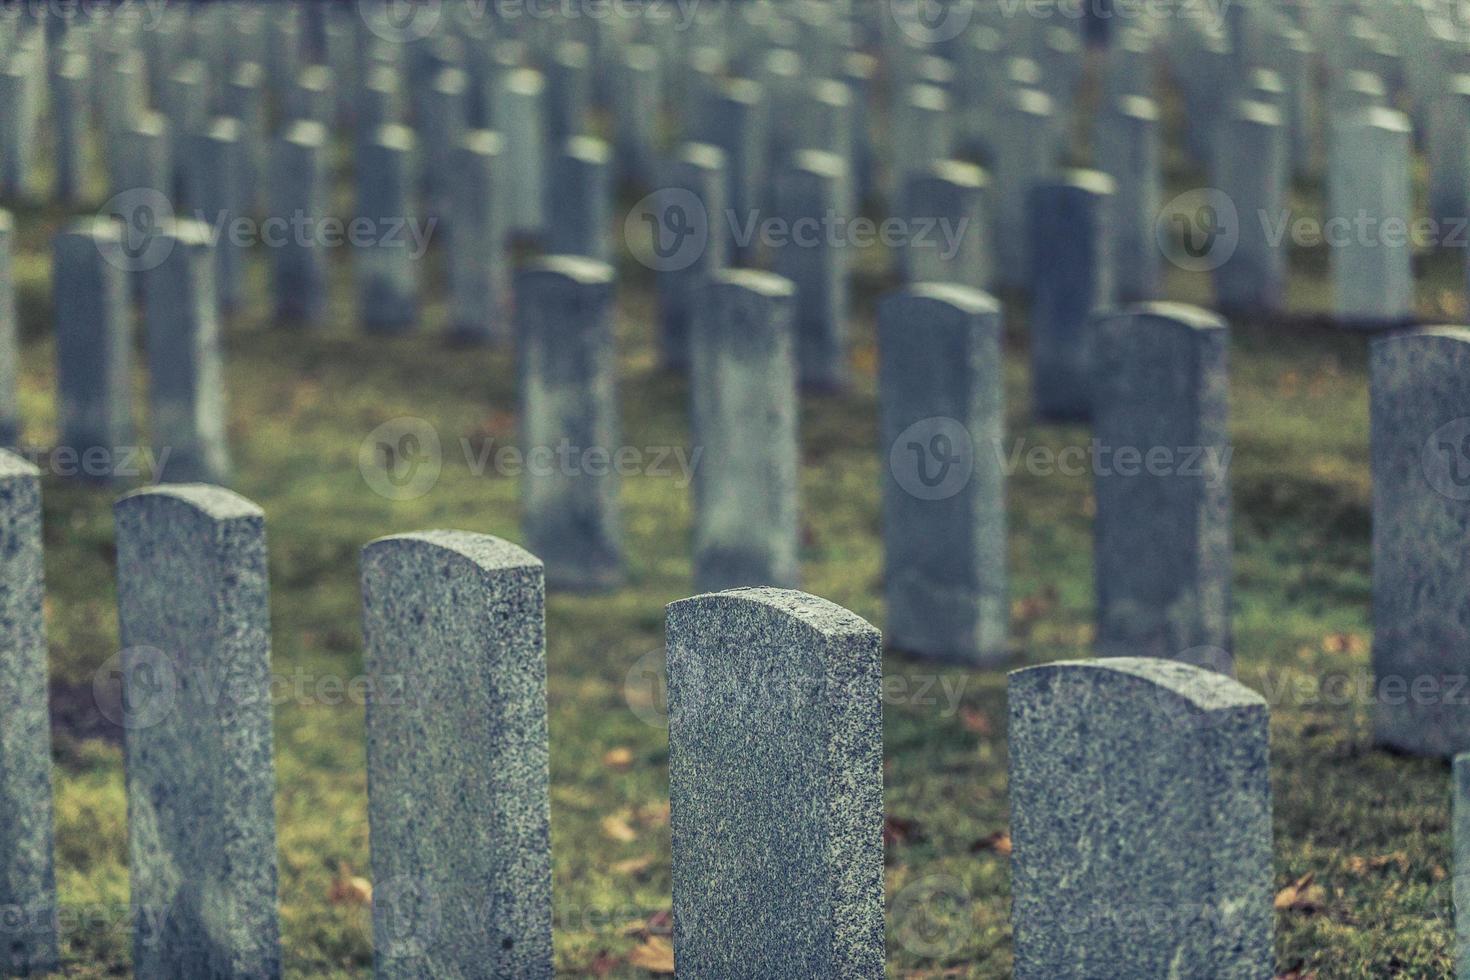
<point>976,721</point>
<point>633,866</point>
<point>616,827</point>
<point>349,889</point>
<point>655,954</point>
<point>619,757</point>
<point>997,843</point>
<point>1302,896</point>
<point>602,964</point>
<point>1360,865</point>
<point>900,830</point>
<point>1349,643</point>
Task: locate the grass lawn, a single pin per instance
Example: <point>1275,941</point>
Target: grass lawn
<point>1371,828</point>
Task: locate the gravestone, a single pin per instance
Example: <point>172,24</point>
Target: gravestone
<point>311,98</point>
<point>94,344</point>
<point>779,72</point>
<point>1128,150</point>
<point>20,79</point>
<point>194,620</point>
<point>185,370</point>
<point>443,126</point>
<point>814,256</point>
<point>1448,149</point>
<point>824,122</point>
<point>1460,821</point>
<point>1140,822</point>
<point>219,197</point>
<point>569,421</point>
<point>1251,169</point>
<point>737,125</point>
<point>743,376</point>
<point>518,115</point>
<point>1071,276</point>
<point>1372,262</point>
<point>941,426</point>
<point>580,200</point>
<point>245,100</point>
<point>386,261</point>
<point>1162,549</point>
<point>636,113</point>
<point>922,136</point>
<point>28,932</point>
<point>186,104</point>
<point>10,421</point>
<point>299,190</point>
<point>693,204</point>
<point>947,213</point>
<point>1025,153</point>
<point>776,787</point>
<point>1420,396</point>
<point>568,91</point>
<point>70,115</point>
<point>457,756</point>
<point>141,160</point>
<point>122,97</point>
<point>479,282</point>
<point>379,100</point>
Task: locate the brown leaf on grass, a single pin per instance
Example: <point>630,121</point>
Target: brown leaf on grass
<point>602,964</point>
<point>996,843</point>
<point>619,757</point>
<point>900,830</point>
<point>654,814</point>
<point>1362,865</point>
<point>633,866</point>
<point>616,827</point>
<point>1032,607</point>
<point>655,954</point>
<point>1296,973</point>
<point>1344,643</point>
<point>348,888</point>
<point>975,720</point>
<point>1302,895</point>
<point>661,923</point>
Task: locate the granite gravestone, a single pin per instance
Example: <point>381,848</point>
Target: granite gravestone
<point>815,259</point>
<point>942,422</point>
<point>28,930</point>
<point>743,378</point>
<point>1162,484</point>
<point>776,787</point>
<point>569,421</point>
<point>299,194</point>
<point>194,619</point>
<point>457,753</point>
<point>1140,822</point>
<point>387,261</point>
<point>478,278</point>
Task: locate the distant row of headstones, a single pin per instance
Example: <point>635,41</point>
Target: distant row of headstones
<point>776,761</point>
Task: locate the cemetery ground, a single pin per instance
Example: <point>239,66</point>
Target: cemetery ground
<point>1361,837</point>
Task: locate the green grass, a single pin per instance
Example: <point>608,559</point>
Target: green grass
<point>1371,827</point>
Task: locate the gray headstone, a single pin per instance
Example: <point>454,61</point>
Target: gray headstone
<point>299,190</point>
<point>1071,276</point>
<point>194,618</point>
<point>1025,152</point>
<point>518,114</point>
<point>123,99</point>
<point>743,377</point>
<point>311,98</point>
<point>20,96</point>
<point>636,114</point>
<point>220,157</point>
<point>185,373</point>
<point>387,260</point>
<point>922,136</point>
<point>815,258</point>
<point>244,99</point>
<point>1251,169</point>
<point>693,204</point>
<point>379,100</point>
<point>942,423</point>
<point>568,91</point>
<point>1420,396</point>
<point>1140,822</point>
<point>479,276</point>
<point>1447,145</point>
<point>737,125</point>
<point>1162,484</point>
<point>141,159</point>
<point>444,123</point>
<point>71,115</point>
<point>10,421</point>
<point>776,785</point>
<point>94,343</point>
<point>1298,68</point>
<point>580,200</point>
<point>458,798</point>
<point>948,225</point>
<point>28,933</point>
<point>1129,151</point>
<point>186,104</point>
<point>1371,189</point>
<point>569,421</point>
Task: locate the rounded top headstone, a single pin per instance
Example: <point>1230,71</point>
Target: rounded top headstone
<point>215,503</point>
